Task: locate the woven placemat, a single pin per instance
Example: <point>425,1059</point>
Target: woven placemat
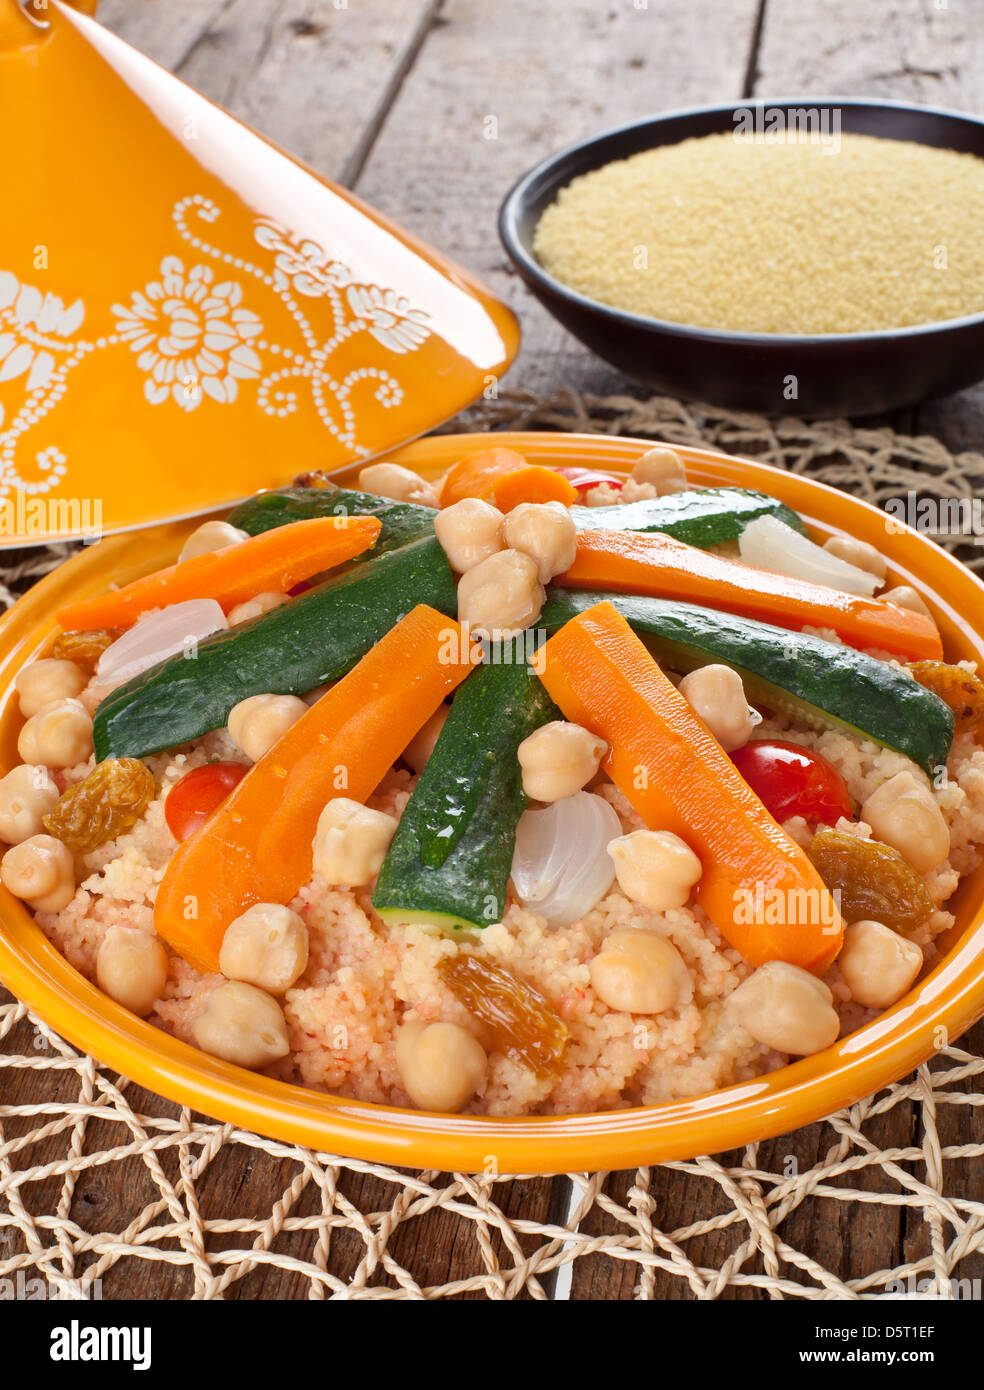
<point>72,1132</point>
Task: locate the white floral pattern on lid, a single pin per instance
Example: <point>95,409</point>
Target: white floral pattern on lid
<point>192,336</point>
<point>195,341</point>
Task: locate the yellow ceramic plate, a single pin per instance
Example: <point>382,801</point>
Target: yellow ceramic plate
<point>186,313</point>
<point>932,1015</point>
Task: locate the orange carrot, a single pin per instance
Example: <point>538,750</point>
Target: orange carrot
<point>757,886</point>
<point>651,563</point>
<point>257,847</point>
<point>475,475</point>
<point>533,484</point>
<point>274,560</point>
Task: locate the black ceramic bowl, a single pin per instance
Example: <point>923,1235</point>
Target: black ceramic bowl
<point>832,374</point>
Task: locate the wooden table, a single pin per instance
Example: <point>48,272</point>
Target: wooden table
<point>430,110</point>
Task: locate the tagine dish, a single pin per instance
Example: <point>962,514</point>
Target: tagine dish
<point>527,790</point>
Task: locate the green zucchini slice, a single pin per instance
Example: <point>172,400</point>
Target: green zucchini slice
<point>449,862</point>
<point>401,522</point>
<point>702,516</point>
<point>816,682</point>
<point>316,637</point>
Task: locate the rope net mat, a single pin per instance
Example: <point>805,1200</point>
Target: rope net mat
<point>107,1191</point>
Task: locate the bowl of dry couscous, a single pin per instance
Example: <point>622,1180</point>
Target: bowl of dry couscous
<point>807,256</point>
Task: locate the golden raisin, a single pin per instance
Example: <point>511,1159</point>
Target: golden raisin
<point>519,1019</point>
<point>84,648</point>
<point>873,881</point>
<point>960,689</point>
<point>111,799</point>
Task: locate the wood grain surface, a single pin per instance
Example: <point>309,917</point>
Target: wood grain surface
<point>430,110</point>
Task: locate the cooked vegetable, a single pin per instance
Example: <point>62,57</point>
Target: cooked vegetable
<point>400,522</point>
<point>786,1009</point>
<point>276,560</point>
<point>791,780</point>
<point>172,630</point>
<point>520,1021</point>
<point>679,779</point>
<point>701,516</point>
<point>476,474</point>
<point>449,863</point>
<point>586,479</point>
<point>640,972</point>
<point>962,690</point>
<point>315,638</point>
<point>109,800</point>
<point>532,484</point>
<point>874,881</point>
<point>820,683</point>
<point>258,846</point>
<point>664,567</point>
<point>201,791</point>
<point>561,867</point>
<point>771,545</point>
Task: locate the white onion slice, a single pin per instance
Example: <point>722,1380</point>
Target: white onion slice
<point>561,866</point>
<point>161,634</point>
<point>769,544</point>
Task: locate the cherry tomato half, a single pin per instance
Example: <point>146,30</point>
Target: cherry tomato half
<point>201,791</point>
<point>791,780</point>
<point>584,479</point>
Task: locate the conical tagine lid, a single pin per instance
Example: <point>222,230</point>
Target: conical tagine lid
<point>186,313</point>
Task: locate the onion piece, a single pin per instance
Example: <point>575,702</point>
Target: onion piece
<point>769,544</point>
<point>160,634</point>
<point>561,866</point>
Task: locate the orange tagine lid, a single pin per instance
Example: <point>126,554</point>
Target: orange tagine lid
<point>187,314</point>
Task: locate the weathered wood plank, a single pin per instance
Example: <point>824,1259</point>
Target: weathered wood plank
<point>497,87</point>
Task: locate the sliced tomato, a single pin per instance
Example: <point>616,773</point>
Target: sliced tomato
<point>584,479</point>
<point>201,791</point>
<point>791,780</point>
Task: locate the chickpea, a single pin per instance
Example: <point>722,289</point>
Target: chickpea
<point>401,484</point>
<point>211,536</point>
<point>903,813</point>
<point>255,607</point>
<point>640,972</point>
<point>41,872</point>
<point>558,759</point>
<point>351,841</point>
<point>59,735</point>
<point>419,749</point>
<point>858,553</point>
<point>501,596</point>
<point>441,1065</point>
<point>655,868</point>
<point>131,968</point>
<point>26,795</point>
<point>546,532</point>
<point>266,946</point>
<point>256,723</point>
<point>904,596</point>
<point>786,1008</point>
<point>45,681</point>
<point>469,531</point>
<point>716,695</point>
<point>878,965</point>
<point>664,468</point>
<point>241,1024</point>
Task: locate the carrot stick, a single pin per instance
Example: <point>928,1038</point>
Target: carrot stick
<point>678,778</point>
<point>475,475</point>
<point>257,847</point>
<point>274,560</point>
<point>533,484</point>
<point>659,565</point>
